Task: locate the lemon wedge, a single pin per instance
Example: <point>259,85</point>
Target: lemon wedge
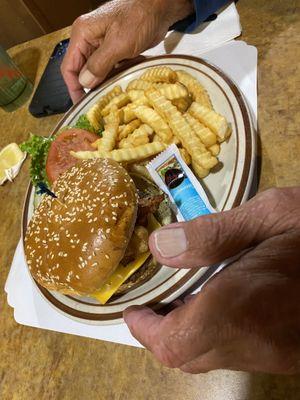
<point>11,159</point>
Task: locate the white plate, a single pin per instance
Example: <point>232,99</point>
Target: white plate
<point>227,187</point>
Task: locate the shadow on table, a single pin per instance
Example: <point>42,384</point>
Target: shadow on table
<point>274,387</point>
<point>28,60</point>
<point>264,163</point>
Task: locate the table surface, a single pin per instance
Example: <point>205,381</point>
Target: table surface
<point>36,364</point>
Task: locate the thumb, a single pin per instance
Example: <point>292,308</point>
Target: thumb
<point>213,238</point>
<point>101,62</point>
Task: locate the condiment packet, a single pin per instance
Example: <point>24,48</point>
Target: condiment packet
<point>172,175</point>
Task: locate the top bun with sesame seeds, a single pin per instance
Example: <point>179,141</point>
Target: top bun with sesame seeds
<point>75,242</point>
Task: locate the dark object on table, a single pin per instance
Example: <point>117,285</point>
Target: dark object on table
<point>51,95</point>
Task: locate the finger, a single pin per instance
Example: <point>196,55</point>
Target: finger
<point>184,300</point>
<point>209,361</point>
<point>146,326</point>
<point>213,238</point>
<point>102,61</point>
<point>178,303</point>
<point>173,338</point>
<point>74,87</point>
<point>175,304</point>
<point>85,35</point>
<point>70,68</point>
<point>143,323</point>
<point>189,298</point>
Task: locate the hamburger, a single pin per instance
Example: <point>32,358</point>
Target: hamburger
<point>92,238</point>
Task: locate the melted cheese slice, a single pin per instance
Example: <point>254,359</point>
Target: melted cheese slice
<point>122,273</point>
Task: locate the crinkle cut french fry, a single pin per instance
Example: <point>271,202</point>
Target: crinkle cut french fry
<point>120,116</point>
<point>199,170</point>
<point>207,137</point>
<point>214,121</point>
<point>140,169</point>
<point>94,114</point>
<point>153,119</point>
<point>128,113</point>
<point>181,129</point>
<point>133,141</point>
<point>96,143</point>
<point>138,153</point>
<point>138,137</point>
<point>172,91</point>
<point>119,101</point>
<point>160,74</point>
<point>198,92</point>
<point>110,134</point>
<point>185,155</point>
<point>135,94</point>
<point>124,155</point>
<point>144,128</point>
<point>138,84</point>
<point>174,139</point>
<point>94,117</point>
<point>142,101</point>
<point>104,100</point>
<point>156,138</point>
<point>129,128</point>
<point>214,149</point>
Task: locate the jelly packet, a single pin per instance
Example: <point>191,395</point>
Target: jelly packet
<point>175,178</point>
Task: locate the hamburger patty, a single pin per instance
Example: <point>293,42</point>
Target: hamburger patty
<point>148,205</point>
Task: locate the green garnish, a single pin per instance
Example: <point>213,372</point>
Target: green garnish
<point>37,147</point>
<point>84,123</point>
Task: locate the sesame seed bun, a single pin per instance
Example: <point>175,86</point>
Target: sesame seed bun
<point>75,246</point>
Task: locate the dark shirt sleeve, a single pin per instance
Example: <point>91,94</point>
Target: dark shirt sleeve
<point>203,10</point>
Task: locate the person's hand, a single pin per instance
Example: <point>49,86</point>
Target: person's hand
<point>248,316</point>
<point>118,30</point>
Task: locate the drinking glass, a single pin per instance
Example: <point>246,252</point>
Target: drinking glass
<point>15,88</point>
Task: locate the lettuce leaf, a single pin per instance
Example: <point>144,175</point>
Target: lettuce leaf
<point>37,147</point>
<point>84,123</point>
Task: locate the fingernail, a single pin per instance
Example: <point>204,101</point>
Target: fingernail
<point>170,242</point>
<point>86,79</point>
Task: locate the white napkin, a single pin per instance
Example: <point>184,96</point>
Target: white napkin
<point>239,61</point>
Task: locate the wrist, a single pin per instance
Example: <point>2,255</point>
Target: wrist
<point>175,10</point>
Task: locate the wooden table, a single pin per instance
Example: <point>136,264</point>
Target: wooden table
<point>36,364</point>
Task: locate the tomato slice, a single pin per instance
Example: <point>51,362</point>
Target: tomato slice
<point>59,158</point>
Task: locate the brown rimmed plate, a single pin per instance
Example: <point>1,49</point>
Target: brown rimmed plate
<point>227,187</point>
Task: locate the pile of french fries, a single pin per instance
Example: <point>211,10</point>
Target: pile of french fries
<point>162,107</point>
